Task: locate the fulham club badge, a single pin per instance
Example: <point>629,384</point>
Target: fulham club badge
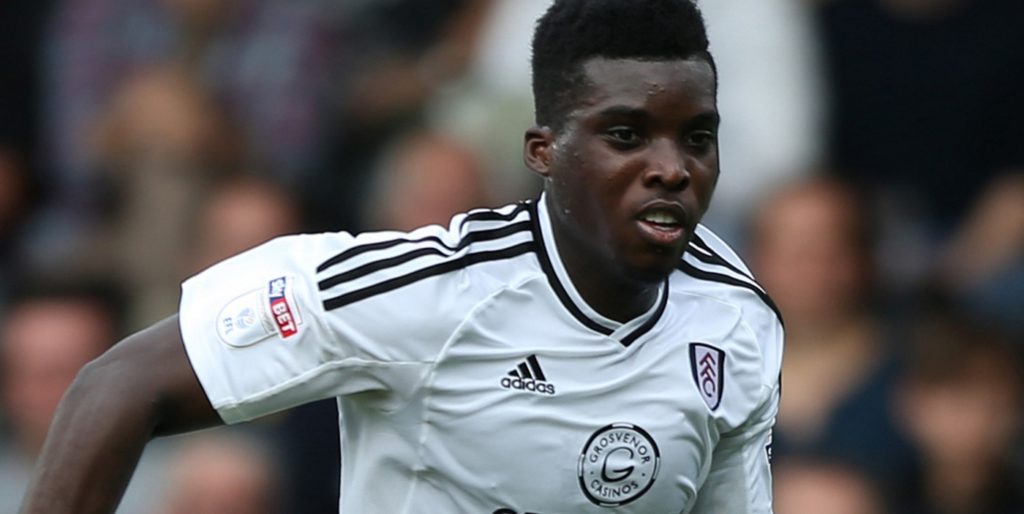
<point>708,366</point>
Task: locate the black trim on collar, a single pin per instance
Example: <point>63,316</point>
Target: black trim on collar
<point>649,324</point>
<point>556,284</point>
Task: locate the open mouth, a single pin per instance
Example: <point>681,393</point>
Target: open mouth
<point>663,226</point>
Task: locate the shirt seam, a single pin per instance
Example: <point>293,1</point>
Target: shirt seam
<point>429,376</point>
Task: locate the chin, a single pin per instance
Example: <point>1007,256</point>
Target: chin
<point>655,266</point>
<point>652,273</point>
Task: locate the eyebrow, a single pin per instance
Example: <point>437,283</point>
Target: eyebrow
<point>707,117</point>
<point>623,111</point>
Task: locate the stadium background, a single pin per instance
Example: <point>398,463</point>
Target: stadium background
<point>872,155</point>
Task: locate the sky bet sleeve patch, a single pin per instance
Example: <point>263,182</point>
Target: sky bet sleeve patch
<point>259,314</point>
<point>283,308</point>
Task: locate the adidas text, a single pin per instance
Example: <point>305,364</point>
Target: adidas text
<point>528,384</point>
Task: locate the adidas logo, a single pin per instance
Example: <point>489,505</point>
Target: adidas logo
<point>528,376</point>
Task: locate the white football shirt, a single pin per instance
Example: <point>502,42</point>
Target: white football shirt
<point>473,378</point>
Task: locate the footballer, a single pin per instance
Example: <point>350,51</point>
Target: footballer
<point>592,350</point>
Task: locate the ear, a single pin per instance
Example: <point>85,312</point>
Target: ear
<point>539,150</point>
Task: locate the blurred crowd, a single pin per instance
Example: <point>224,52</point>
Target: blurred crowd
<point>872,176</point>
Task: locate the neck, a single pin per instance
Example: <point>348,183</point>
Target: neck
<point>611,296</point>
<point>605,289</point>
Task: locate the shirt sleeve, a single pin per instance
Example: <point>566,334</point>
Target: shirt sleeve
<point>260,338</point>
<point>740,479</point>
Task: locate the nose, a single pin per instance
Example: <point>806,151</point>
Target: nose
<point>667,167</point>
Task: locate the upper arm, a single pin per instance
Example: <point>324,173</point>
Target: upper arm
<point>153,363</point>
<point>740,480</point>
<point>303,318</point>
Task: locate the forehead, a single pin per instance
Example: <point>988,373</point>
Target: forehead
<point>639,82</point>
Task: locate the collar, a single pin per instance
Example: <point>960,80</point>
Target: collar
<point>553,266</point>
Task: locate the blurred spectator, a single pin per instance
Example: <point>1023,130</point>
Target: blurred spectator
<point>926,110</point>
<point>21,31</point>
<point>47,338</point>
<point>961,403</point>
<point>265,61</point>
<point>425,179</point>
<point>810,486</point>
<point>983,266</point>
<point>491,105</point>
<point>771,99</point>
<point>427,45</point>
<point>163,113</point>
<point>15,198</point>
<point>14,193</point>
<point>22,24</point>
<point>313,89</point>
<point>811,248</point>
<point>162,143</point>
<point>261,67</point>
<point>241,212</point>
<point>409,51</point>
<point>221,473</point>
<point>47,335</point>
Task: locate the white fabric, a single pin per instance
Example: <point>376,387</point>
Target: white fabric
<point>431,353</point>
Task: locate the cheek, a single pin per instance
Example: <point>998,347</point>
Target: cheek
<point>586,200</point>
<point>578,184</point>
<point>705,178</point>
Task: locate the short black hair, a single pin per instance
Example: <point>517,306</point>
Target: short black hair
<point>574,31</point>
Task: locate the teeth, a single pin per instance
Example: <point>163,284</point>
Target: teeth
<point>661,218</point>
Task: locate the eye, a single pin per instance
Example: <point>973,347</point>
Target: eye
<point>700,139</point>
<point>625,136</point>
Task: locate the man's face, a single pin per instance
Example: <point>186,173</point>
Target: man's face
<point>43,345</point>
<point>633,169</point>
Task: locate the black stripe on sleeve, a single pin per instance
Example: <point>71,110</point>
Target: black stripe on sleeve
<point>486,215</point>
<point>717,260</point>
<point>493,215</point>
<point>431,271</point>
<point>715,257</point>
<point>698,273</point>
<point>378,265</point>
<point>369,247</point>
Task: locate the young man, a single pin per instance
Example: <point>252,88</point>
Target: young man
<point>594,350</point>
